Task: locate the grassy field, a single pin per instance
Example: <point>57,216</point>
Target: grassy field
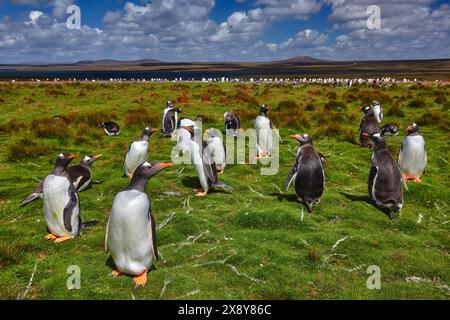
<point>256,243</point>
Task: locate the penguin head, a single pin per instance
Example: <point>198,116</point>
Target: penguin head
<point>302,138</point>
<point>149,131</point>
<point>88,160</point>
<point>389,130</point>
<point>178,110</point>
<point>375,103</point>
<point>169,104</point>
<point>211,133</point>
<point>64,159</point>
<point>198,118</point>
<point>412,128</point>
<point>264,108</point>
<point>148,169</point>
<point>377,139</point>
<point>365,109</point>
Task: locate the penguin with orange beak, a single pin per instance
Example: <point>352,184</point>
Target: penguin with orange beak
<point>137,152</point>
<point>80,175</point>
<point>307,173</point>
<point>61,202</point>
<point>412,157</point>
<point>131,229</point>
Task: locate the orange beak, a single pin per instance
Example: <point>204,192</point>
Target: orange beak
<point>294,136</point>
<point>98,156</point>
<point>166,165</point>
<point>153,130</point>
<point>365,134</point>
<point>360,108</point>
<point>72,156</point>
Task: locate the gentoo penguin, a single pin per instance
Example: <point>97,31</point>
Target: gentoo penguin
<point>377,110</point>
<point>80,175</point>
<point>218,149</point>
<point>131,229</point>
<point>385,178</point>
<point>369,124</point>
<point>232,123</point>
<point>184,136</point>
<point>263,133</point>
<point>412,157</point>
<point>307,173</point>
<point>201,158</point>
<point>111,128</point>
<point>169,120</point>
<point>137,152</point>
<point>61,202</point>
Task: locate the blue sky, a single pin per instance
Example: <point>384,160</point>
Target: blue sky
<point>223,30</point>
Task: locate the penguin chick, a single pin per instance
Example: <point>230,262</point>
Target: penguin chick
<point>307,173</point>
<point>385,178</point>
<point>131,230</point>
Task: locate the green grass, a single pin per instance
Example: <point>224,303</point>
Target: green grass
<point>245,245</point>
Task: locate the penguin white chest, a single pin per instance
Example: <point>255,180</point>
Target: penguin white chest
<point>218,152</point>
<point>129,232</point>
<point>197,161</point>
<point>264,135</point>
<point>413,159</point>
<point>136,155</point>
<point>56,197</point>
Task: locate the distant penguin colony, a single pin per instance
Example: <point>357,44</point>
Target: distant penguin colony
<point>131,229</point>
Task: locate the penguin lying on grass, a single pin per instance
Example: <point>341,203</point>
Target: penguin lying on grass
<point>201,158</point>
<point>307,173</point>
<point>111,128</point>
<point>385,178</point>
<point>218,149</point>
<point>80,175</point>
<point>61,203</point>
<point>131,229</point>
<point>412,157</point>
<point>137,152</point>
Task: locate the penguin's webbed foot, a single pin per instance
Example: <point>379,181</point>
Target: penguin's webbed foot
<point>50,236</point>
<point>140,280</point>
<point>417,180</point>
<point>200,192</point>
<point>62,239</point>
<point>115,273</point>
<point>219,171</point>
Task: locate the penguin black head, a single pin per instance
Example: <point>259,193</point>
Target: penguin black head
<point>64,159</point>
<point>144,172</point>
<point>377,140</point>
<point>412,128</point>
<point>88,160</point>
<point>169,104</point>
<point>302,138</point>
<point>365,109</point>
<point>198,118</point>
<point>211,133</point>
<point>264,108</point>
<point>149,131</point>
<point>375,103</point>
<point>178,110</point>
<point>389,130</point>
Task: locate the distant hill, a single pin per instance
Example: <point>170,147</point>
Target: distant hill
<point>112,62</point>
<point>302,59</point>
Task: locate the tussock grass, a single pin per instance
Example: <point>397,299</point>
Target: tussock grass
<point>26,148</point>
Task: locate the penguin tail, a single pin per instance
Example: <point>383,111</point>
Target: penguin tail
<point>221,185</point>
<point>309,206</point>
<point>88,224</point>
<point>29,199</point>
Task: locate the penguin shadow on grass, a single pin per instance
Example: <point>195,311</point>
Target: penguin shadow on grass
<point>366,199</point>
<point>283,196</point>
<point>194,183</point>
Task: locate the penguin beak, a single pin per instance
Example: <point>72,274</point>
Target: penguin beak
<point>98,156</point>
<point>153,130</point>
<point>72,156</point>
<point>360,108</point>
<point>165,165</point>
<point>294,136</point>
<point>365,134</point>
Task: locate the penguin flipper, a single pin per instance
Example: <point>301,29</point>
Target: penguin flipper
<point>68,210</point>
<point>37,193</point>
<point>291,176</point>
<point>208,163</point>
<point>400,153</point>
<point>106,235</point>
<point>152,233</point>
